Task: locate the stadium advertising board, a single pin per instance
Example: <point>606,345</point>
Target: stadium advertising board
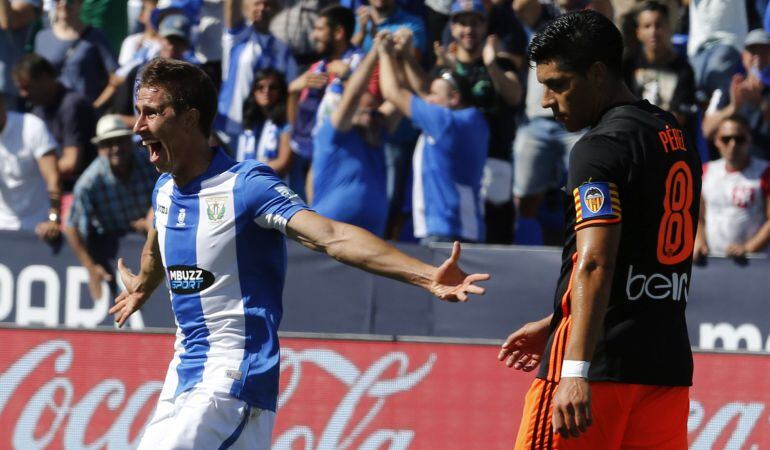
<point>95,390</point>
<point>726,306</point>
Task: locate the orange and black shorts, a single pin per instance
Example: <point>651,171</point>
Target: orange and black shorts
<point>625,416</point>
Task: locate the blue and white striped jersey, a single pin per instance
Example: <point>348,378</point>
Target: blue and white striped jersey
<point>224,254</point>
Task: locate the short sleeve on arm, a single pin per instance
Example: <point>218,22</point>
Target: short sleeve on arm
<point>432,119</point>
<point>596,181</point>
<point>36,133</point>
<point>267,198</point>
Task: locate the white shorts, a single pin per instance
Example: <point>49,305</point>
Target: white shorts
<point>203,418</point>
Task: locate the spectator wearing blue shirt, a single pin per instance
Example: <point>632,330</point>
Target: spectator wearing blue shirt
<point>451,152</point>
<point>266,133</point>
<point>81,54</point>
<point>386,15</point>
<point>349,161</point>
<point>247,46</point>
<point>314,94</point>
<point>112,197</point>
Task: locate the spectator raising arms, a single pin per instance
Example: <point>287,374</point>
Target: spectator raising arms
<point>266,134</point>
<point>349,160</point>
<point>314,94</point>
<point>747,95</point>
<point>451,152</point>
<point>27,171</point>
<point>80,53</point>
<point>387,15</point>
<point>735,203</point>
<point>496,90</point>
<point>247,46</point>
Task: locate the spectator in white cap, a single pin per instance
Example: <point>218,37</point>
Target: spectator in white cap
<point>111,198</point>
<point>748,95</point>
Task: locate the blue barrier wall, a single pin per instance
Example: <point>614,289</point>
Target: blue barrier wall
<point>727,308</point>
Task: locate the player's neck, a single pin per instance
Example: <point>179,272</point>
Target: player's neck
<point>617,95</point>
<point>197,159</point>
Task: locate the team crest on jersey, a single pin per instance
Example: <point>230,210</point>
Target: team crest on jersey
<point>597,200</point>
<point>216,208</point>
<point>594,199</point>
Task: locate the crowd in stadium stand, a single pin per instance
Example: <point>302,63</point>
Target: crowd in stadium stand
<point>419,120</point>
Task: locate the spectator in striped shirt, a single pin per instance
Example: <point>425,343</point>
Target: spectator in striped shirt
<point>111,198</point>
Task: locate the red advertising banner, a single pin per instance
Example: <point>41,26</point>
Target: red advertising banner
<point>96,390</point>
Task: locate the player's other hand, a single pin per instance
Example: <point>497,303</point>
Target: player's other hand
<point>130,300</point>
<point>451,284</point>
<point>572,407</point>
<point>524,348</point>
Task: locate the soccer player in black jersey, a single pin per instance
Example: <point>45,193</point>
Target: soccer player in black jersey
<point>615,359</point>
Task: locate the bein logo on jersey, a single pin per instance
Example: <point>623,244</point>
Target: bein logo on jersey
<point>189,279</point>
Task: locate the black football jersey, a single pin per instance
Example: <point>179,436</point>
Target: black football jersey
<point>635,168</point>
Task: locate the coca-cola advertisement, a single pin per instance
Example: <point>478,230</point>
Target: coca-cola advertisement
<point>96,390</point>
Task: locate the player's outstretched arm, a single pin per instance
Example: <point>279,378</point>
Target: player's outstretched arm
<point>139,287</point>
<point>359,248</point>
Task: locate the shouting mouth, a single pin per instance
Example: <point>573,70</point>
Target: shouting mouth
<point>153,147</point>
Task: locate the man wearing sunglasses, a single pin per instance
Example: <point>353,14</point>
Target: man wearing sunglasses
<point>734,209</point>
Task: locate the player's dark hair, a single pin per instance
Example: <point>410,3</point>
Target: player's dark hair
<point>34,66</point>
<point>737,118</point>
<point>339,16</point>
<point>653,6</point>
<point>186,86</point>
<point>577,40</point>
<point>253,114</point>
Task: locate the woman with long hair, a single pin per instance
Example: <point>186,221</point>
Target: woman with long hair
<point>267,132</point>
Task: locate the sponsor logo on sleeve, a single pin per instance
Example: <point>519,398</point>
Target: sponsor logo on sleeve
<point>288,193</point>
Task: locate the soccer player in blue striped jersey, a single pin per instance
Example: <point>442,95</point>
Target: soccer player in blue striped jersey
<point>219,241</point>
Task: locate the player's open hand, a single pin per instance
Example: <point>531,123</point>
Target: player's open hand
<point>572,407</point>
<point>130,300</point>
<point>524,347</point>
<point>451,284</point>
